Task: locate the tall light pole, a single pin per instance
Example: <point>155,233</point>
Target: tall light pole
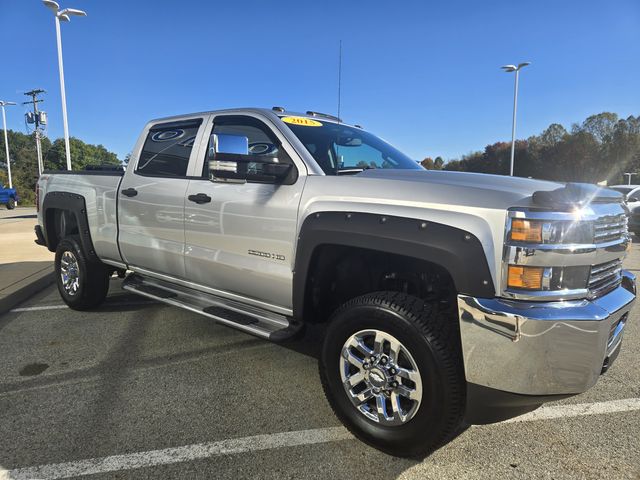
<point>6,138</point>
<point>628,175</point>
<point>63,15</point>
<point>513,68</point>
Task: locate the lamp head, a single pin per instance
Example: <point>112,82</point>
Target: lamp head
<point>52,5</point>
<point>73,11</point>
<point>509,68</point>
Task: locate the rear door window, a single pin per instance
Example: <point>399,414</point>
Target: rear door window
<point>167,149</point>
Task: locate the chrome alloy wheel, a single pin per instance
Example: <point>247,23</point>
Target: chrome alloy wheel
<point>70,272</point>
<point>380,377</point>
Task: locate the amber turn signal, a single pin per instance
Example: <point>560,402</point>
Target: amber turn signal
<point>526,230</point>
<point>529,278</point>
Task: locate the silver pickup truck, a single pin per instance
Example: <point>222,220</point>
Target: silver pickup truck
<point>448,298</point>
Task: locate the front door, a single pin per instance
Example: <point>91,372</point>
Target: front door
<point>240,237</point>
<point>152,196</point>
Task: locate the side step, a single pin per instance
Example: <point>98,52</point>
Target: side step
<point>257,321</point>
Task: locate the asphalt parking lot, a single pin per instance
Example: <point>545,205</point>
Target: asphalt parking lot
<point>142,390</point>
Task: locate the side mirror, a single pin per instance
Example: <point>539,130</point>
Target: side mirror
<point>230,161</point>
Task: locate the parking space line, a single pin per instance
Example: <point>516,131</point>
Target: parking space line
<point>579,409</point>
<point>180,454</point>
<point>255,443</point>
<point>37,309</point>
<point>62,307</point>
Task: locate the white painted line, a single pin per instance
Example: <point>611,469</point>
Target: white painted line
<point>578,410</point>
<point>62,307</point>
<point>37,309</point>
<point>189,453</point>
<point>180,454</point>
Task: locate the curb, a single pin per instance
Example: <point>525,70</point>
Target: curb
<point>26,288</point>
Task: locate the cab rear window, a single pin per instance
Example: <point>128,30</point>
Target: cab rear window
<point>167,149</point>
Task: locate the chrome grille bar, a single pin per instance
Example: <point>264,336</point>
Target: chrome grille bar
<point>604,278</point>
<point>610,227</point>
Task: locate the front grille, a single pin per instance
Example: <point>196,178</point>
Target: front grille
<point>610,228</point>
<point>604,277</point>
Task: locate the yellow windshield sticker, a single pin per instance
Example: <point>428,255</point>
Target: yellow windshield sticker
<point>305,122</point>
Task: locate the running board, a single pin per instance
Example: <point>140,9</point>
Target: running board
<point>257,321</point>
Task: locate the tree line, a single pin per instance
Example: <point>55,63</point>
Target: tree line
<point>601,148</point>
<point>24,161</point>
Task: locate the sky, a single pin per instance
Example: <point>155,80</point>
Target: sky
<point>424,75</point>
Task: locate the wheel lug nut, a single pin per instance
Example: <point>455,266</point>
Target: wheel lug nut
<point>393,371</point>
<point>394,384</point>
<point>365,365</point>
<point>383,360</point>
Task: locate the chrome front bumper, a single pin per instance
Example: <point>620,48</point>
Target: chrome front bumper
<point>543,348</point>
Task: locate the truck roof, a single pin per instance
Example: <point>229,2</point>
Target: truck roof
<point>269,112</point>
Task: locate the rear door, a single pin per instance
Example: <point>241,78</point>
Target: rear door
<point>152,195</point>
<point>4,194</point>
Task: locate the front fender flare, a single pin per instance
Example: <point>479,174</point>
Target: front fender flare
<point>457,251</point>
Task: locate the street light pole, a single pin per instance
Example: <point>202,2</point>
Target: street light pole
<point>63,96</point>
<point>63,15</point>
<point>513,68</point>
<point>6,139</point>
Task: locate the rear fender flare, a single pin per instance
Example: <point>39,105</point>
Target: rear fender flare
<point>74,204</point>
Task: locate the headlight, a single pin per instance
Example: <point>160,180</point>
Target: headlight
<point>546,279</point>
<point>529,231</point>
<point>550,232</point>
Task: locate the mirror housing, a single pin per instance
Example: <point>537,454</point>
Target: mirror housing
<point>230,161</point>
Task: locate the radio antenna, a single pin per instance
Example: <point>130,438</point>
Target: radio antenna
<point>339,75</point>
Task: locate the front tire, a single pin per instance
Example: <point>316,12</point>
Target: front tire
<point>391,368</point>
<point>82,284</point>
<point>11,204</point>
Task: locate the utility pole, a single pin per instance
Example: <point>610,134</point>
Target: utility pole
<point>37,119</point>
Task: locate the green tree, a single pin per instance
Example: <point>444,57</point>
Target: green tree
<point>24,165</point>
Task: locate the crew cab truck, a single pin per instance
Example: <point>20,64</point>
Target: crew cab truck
<point>8,197</point>
<point>449,298</point>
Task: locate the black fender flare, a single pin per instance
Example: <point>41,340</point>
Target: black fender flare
<point>457,251</point>
<point>74,204</point>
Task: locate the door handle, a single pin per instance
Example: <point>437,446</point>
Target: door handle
<point>129,192</point>
<point>199,198</point>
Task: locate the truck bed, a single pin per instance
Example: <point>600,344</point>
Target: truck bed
<point>99,189</point>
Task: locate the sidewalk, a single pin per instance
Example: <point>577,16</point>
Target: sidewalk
<point>25,268</point>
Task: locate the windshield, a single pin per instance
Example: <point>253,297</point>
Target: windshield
<point>340,149</point>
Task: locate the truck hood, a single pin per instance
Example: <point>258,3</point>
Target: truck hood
<point>462,188</point>
<point>497,191</point>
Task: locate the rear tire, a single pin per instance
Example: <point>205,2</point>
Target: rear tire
<point>412,424</point>
<point>11,204</point>
<point>82,284</point>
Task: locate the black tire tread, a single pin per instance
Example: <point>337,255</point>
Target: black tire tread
<point>95,284</point>
<point>442,332</point>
